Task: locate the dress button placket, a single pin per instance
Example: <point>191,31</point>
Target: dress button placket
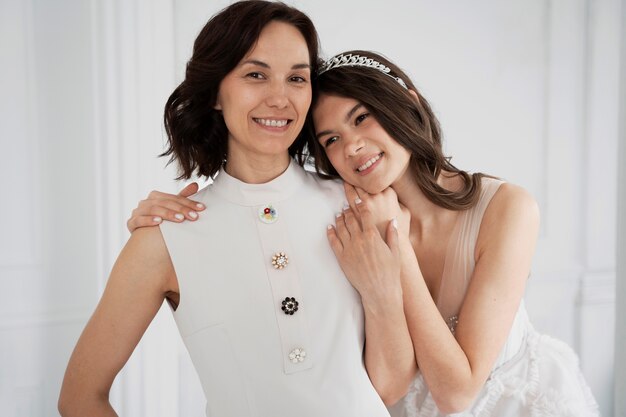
<point>285,286</point>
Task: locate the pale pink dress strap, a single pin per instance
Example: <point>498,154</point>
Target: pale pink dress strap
<point>460,262</point>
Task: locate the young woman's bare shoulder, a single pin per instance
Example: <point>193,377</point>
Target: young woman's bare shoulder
<point>512,201</point>
<point>512,210</point>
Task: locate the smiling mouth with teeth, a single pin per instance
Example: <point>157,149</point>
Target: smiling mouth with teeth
<point>369,163</point>
<point>272,122</point>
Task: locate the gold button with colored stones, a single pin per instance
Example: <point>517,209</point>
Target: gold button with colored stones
<point>268,214</point>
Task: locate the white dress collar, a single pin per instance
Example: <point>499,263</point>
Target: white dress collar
<point>244,194</point>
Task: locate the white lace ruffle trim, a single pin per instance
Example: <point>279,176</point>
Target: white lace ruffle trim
<point>543,379</point>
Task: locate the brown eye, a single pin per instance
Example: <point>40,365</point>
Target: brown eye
<point>360,118</point>
<point>330,141</point>
<point>256,75</point>
<point>298,79</point>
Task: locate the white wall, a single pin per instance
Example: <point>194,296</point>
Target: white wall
<point>620,328</point>
<point>526,90</point>
<point>48,249</point>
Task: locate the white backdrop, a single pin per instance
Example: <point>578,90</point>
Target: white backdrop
<point>525,89</point>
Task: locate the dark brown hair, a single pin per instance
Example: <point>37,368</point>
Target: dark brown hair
<point>410,122</point>
<point>197,134</point>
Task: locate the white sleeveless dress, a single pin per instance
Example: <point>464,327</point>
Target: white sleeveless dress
<point>272,325</point>
<point>534,376</point>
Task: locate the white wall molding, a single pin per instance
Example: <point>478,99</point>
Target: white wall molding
<point>601,133</point>
<point>596,303</point>
<point>43,320</point>
<point>21,241</point>
<point>46,264</point>
<point>134,75</point>
<point>597,287</point>
<point>620,310</point>
<point>563,138</point>
<point>111,102</point>
<point>594,340</point>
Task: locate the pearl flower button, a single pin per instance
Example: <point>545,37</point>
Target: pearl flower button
<point>297,355</point>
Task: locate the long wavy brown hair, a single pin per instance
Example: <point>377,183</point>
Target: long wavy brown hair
<point>410,122</point>
<point>197,134</point>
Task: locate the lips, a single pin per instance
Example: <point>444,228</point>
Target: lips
<point>369,162</point>
<point>272,122</point>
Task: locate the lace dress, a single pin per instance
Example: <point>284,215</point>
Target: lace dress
<point>534,376</point>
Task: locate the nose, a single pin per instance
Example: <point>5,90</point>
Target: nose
<point>277,95</point>
<point>353,146</point>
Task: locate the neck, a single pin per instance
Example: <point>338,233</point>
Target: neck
<point>255,169</point>
<point>412,197</point>
<point>424,213</point>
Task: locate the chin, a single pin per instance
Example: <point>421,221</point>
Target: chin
<point>372,188</point>
<point>376,190</point>
<point>274,148</point>
<point>373,183</point>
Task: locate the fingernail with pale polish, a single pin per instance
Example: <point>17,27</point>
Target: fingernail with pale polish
<point>200,206</point>
<point>346,206</point>
<point>394,223</point>
<point>193,214</point>
<point>329,227</point>
<point>179,216</point>
<point>358,201</point>
<point>338,215</point>
<point>157,219</point>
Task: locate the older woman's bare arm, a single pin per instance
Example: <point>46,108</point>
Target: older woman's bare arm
<point>140,279</point>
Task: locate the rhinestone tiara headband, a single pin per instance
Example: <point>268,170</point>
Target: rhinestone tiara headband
<point>353,60</point>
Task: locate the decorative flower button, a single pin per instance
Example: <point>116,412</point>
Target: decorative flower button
<point>280,260</point>
<point>297,355</point>
<point>268,214</point>
<point>290,306</point>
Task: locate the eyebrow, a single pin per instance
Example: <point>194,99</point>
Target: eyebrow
<point>347,119</point>
<point>265,65</point>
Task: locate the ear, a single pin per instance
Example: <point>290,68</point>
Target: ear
<point>415,96</point>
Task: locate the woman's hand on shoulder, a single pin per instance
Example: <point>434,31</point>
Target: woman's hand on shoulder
<point>383,207</point>
<point>160,206</point>
<point>371,263</point>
